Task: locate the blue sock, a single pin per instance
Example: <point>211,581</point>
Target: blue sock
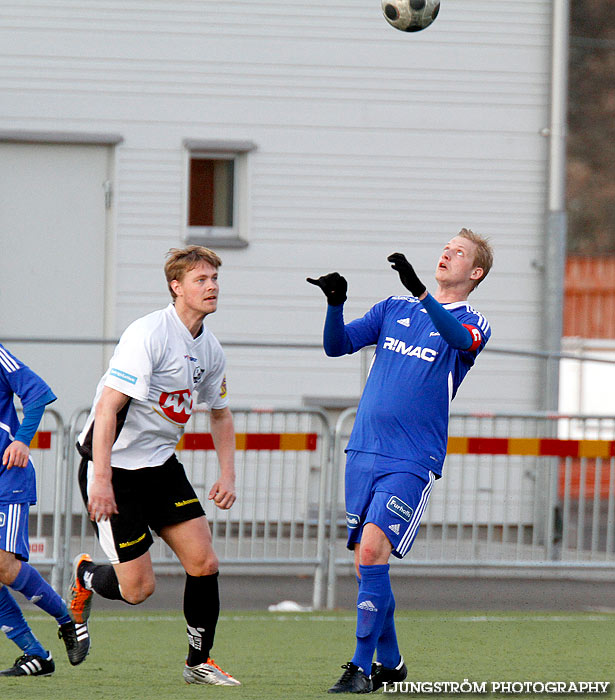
<point>372,606</point>
<point>14,625</point>
<point>387,649</point>
<point>38,591</point>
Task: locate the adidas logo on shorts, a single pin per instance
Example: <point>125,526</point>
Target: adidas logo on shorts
<point>394,528</point>
<point>367,605</point>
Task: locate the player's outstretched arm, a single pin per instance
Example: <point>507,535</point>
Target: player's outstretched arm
<point>334,287</point>
<point>222,493</point>
<point>335,339</point>
<point>101,497</point>
<point>450,329</point>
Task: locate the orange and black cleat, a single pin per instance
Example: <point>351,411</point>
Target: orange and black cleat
<point>80,598</point>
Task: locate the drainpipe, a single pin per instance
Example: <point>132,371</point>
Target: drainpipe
<point>556,223</point>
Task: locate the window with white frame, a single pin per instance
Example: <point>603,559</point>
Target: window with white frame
<point>217,192</point>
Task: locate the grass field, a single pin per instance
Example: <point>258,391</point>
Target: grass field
<point>288,656</point>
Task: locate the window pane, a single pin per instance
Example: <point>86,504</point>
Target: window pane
<point>211,192</point>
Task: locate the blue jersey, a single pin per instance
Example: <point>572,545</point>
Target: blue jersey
<point>18,484</point>
<point>404,409</point>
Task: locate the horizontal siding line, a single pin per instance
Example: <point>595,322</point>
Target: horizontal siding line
<point>478,78</point>
<point>259,10</point>
<point>322,27</point>
<point>176,74</point>
<point>395,98</point>
<point>303,161</point>
<point>324,192</point>
<point>108,122</point>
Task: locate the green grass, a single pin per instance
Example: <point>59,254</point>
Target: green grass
<point>296,656</point>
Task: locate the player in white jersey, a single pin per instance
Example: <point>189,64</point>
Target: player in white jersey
<point>424,348</point>
<point>130,478</point>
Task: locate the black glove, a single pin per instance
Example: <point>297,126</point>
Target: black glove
<point>334,286</point>
<point>407,275</point>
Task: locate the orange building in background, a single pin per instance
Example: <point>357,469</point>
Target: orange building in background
<point>589,297</point>
<point>589,313</point>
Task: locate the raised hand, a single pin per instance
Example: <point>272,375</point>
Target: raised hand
<point>407,275</point>
<point>334,287</point>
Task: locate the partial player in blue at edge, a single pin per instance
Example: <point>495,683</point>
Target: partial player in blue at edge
<point>425,346</point>
<point>17,494</point>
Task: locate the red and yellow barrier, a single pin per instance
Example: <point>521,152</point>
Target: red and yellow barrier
<point>531,447</point>
<point>41,440</point>
<point>254,441</point>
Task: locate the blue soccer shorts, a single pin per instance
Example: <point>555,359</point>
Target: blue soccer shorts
<point>14,529</point>
<point>381,490</point>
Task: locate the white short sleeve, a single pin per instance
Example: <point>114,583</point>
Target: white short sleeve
<point>130,369</point>
<point>212,389</point>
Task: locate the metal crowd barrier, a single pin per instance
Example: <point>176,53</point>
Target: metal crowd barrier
<point>527,491</point>
<point>46,519</point>
<point>530,492</point>
<point>281,461</point>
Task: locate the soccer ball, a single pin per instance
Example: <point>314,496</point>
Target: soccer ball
<point>410,15</point>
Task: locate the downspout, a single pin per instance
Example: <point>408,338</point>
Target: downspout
<point>556,223</point>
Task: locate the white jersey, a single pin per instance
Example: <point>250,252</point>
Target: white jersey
<point>164,371</point>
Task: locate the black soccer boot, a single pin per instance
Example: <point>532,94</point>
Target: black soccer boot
<point>30,665</point>
<point>381,674</point>
<point>353,680</point>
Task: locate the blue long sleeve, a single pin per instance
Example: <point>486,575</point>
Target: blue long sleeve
<point>335,339</point>
<point>453,332</point>
<point>32,417</point>
<point>29,425</point>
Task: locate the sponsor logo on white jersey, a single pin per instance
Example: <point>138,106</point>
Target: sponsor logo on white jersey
<point>367,605</point>
<point>394,528</point>
<point>197,372</point>
<point>399,346</point>
<point>177,405</point>
<point>124,376</point>
<point>404,322</point>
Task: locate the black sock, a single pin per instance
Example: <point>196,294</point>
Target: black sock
<point>201,610</point>
<point>101,579</point>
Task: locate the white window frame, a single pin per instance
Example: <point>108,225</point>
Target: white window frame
<point>235,236</point>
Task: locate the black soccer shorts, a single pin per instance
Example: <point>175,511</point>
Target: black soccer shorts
<point>147,499</point>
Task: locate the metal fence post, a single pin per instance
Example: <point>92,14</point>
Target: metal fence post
<point>57,567</point>
<point>335,476</point>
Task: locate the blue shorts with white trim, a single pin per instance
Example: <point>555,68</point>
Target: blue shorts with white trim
<point>384,491</point>
<point>14,529</point>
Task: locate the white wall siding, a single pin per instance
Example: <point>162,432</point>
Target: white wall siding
<point>368,141</point>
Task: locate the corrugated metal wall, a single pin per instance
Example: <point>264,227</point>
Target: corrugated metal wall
<point>589,308</point>
<point>368,141</point>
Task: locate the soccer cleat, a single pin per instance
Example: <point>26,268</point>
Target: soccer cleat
<point>76,638</point>
<point>353,680</point>
<point>80,597</point>
<point>208,673</point>
<point>29,665</point>
<point>381,674</point>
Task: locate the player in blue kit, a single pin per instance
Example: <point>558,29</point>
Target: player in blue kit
<point>17,494</point>
<point>425,345</point>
